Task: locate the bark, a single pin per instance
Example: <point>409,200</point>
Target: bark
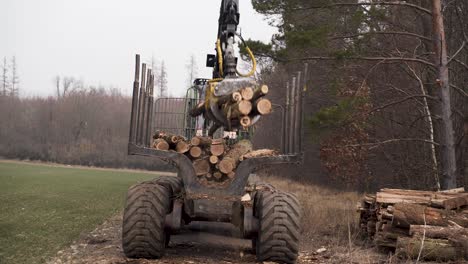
<point>427,249</point>
<point>262,91</point>
<point>232,158</point>
<point>449,162</point>
<point>230,98</point>
<point>439,232</point>
<point>406,215</point>
<point>201,141</point>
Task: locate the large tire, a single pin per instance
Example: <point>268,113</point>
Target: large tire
<point>279,215</point>
<point>143,228</point>
<point>173,183</point>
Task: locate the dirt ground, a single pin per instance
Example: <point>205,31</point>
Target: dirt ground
<point>198,243</point>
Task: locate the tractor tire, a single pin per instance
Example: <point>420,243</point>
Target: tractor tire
<point>143,227</point>
<point>173,183</point>
<point>279,215</point>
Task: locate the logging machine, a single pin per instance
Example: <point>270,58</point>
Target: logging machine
<point>205,136</point>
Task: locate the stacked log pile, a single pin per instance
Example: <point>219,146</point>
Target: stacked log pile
<point>212,159</point>
<point>418,224</point>
<point>239,108</point>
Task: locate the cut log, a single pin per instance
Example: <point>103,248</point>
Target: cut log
<point>214,160</point>
<point>201,141</point>
<point>238,109</point>
<point>431,249</point>
<point>261,91</point>
<point>230,98</point>
<point>218,175</point>
<point>209,176</point>
<point>182,147</point>
<point>393,197</point>
<point>455,202</point>
<point>439,232</point>
<point>171,139</point>
<point>263,106</point>
<point>198,110</point>
<point>202,167</point>
<point>231,159</point>
<point>161,144</point>
<point>245,121</point>
<point>260,153</point>
<point>217,147</point>
<point>406,215</point>
<point>196,152</point>
<point>247,93</point>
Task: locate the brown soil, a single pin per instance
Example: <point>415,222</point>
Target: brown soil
<point>208,243</point>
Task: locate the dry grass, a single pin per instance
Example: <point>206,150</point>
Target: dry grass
<point>330,220</point>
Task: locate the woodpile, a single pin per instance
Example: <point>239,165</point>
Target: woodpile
<point>239,108</point>
<point>418,224</point>
<point>212,159</point>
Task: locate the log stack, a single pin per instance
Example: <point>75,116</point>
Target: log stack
<point>240,108</point>
<point>213,160</point>
<point>418,224</point>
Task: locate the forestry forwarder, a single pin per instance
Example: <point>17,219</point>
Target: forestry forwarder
<point>213,182</point>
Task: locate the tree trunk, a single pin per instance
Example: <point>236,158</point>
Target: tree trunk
<point>232,158</point>
<point>201,141</point>
<point>439,232</point>
<point>430,249</point>
<point>449,162</point>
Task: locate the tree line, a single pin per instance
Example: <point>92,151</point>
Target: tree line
<point>386,98</point>
<point>80,124</point>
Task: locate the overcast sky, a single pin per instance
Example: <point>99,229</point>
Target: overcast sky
<point>96,40</point>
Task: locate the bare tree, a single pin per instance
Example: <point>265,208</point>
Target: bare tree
<point>162,81</point>
<point>67,85</point>
<point>4,76</point>
<point>14,78</point>
<point>449,163</point>
<point>192,70</point>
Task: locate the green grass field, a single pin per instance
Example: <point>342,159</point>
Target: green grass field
<point>44,208</point>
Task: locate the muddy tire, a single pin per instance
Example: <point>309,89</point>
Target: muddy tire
<point>279,217</point>
<point>173,183</point>
<point>143,227</point>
